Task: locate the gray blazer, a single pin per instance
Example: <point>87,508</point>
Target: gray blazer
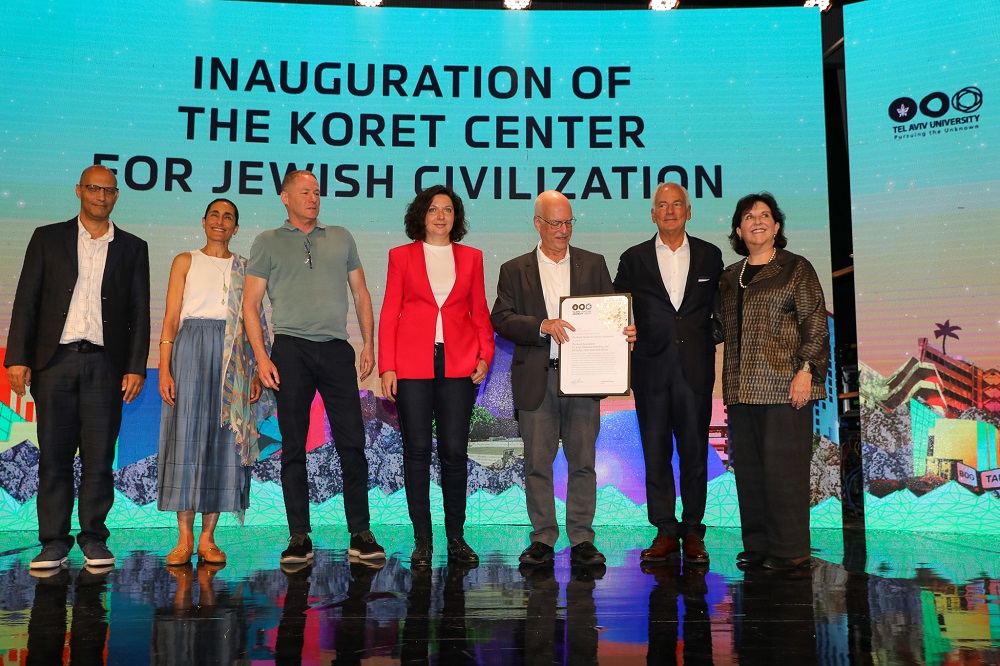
<point>520,309</point>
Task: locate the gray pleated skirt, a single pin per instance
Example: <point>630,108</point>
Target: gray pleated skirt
<point>199,468</point>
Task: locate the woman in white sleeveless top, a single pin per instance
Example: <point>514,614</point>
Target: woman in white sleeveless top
<point>208,423</point>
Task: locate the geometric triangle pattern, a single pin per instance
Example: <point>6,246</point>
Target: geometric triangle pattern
<point>267,509</point>
<point>948,508</point>
<point>722,508</point>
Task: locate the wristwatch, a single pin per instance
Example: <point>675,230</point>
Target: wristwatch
<point>806,367</point>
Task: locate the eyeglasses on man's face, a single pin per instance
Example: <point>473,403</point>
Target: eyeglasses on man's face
<point>94,189</point>
<point>555,224</point>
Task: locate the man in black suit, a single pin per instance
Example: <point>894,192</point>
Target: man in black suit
<point>79,336</point>
<point>673,278</point>
<point>526,312</point>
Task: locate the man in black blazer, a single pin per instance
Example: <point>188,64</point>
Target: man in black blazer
<point>79,336</point>
<point>526,312</point>
<point>673,279</point>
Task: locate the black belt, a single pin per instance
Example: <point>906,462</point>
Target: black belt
<point>83,346</point>
<point>554,363</point>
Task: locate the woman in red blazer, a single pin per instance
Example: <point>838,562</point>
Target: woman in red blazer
<point>435,347</point>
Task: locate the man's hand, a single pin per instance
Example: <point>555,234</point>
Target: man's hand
<point>168,390</point>
<point>256,389</point>
<point>131,387</point>
<point>557,329</point>
<point>268,373</point>
<point>629,332</point>
<point>389,385</point>
<point>479,374</point>
<point>366,363</point>
<point>19,377</point>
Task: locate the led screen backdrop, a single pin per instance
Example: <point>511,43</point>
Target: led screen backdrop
<point>193,100</point>
<point>923,80</point>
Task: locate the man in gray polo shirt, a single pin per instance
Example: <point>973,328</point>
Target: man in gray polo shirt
<point>306,269</point>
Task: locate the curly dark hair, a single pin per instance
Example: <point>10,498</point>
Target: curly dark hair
<point>416,214</point>
<point>742,207</point>
<point>236,211</point>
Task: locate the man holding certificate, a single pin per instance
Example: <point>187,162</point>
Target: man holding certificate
<point>673,279</point>
<point>526,312</point>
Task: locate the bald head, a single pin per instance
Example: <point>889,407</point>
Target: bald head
<point>98,194</point>
<point>549,199</point>
<point>554,222</point>
<point>104,171</point>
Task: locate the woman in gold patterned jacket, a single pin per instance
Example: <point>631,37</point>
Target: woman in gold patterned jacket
<point>773,320</point>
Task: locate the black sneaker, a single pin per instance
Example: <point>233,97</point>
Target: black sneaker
<point>460,552</point>
<point>423,551</point>
<point>585,553</point>
<point>365,547</point>
<point>96,554</point>
<point>52,556</point>
<point>537,553</point>
<point>300,549</point>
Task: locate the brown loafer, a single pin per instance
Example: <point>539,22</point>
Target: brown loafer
<point>211,555</point>
<point>179,556</point>
<point>663,548</point>
<point>694,549</point>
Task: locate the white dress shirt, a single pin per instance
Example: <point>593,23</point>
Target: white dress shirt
<point>674,267</point>
<point>555,284</point>
<point>85,316</point>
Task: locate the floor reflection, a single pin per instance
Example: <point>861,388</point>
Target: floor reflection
<point>886,599</point>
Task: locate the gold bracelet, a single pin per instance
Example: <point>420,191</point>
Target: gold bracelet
<point>166,342</point>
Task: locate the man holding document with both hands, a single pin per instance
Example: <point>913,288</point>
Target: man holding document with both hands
<point>526,312</point>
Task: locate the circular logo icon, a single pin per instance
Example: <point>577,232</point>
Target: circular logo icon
<point>967,100</point>
<point>903,109</point>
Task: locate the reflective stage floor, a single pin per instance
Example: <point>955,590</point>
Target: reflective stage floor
<point>890,598</point>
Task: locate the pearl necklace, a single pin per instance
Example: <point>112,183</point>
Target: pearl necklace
<point>773,253</point>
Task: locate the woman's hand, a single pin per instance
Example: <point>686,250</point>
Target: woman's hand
<point>798,393</point>
<point>389,385</point>
<point>256,389</point>
<point>168,391</point>
<point>479,374</point>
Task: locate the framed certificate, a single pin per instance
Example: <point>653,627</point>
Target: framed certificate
<point>595,361</point>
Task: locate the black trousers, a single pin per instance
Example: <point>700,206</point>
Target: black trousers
<point>668,409</point>
<point>79,401</point>
<point>771,450</point>
<point>305,367</point>
<point>449,401</point>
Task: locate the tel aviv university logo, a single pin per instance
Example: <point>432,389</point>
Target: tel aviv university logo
<point>936,113</point>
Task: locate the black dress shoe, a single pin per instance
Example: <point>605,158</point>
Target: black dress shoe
<point>537,553</point>
<point>460,552</point>
<point>751,557</point>
<point>586,553</point>
<point>423,551</point>
<point>786,563</point>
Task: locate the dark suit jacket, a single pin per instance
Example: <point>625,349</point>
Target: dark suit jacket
<point>520,309</point>
<point>659,325</point>
<point>45,289</point>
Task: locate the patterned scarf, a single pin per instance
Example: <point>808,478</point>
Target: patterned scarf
<point>238,369</point>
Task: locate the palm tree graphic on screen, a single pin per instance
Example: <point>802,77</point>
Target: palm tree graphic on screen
<point>945,331</point>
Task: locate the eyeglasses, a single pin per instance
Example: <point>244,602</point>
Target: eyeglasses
<point>94,189</point>
<point>555,224</point>
<point>309,257</point>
